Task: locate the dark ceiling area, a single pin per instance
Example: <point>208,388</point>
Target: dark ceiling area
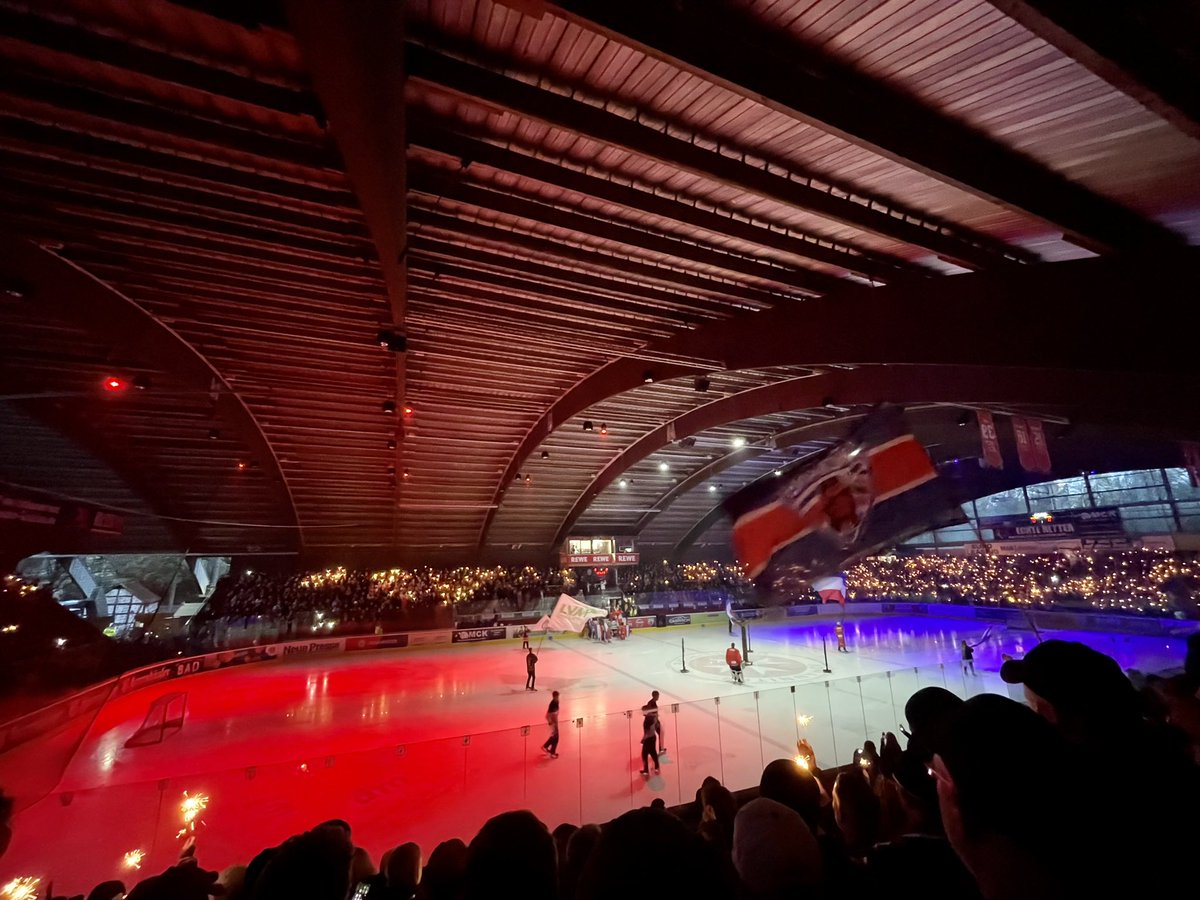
<point>451,280</point>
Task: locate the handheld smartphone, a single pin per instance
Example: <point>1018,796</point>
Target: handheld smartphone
<point>360,891</point>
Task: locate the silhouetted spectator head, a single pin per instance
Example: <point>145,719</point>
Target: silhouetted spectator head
<point>1191,661</point>
<point>1080,690</point>
<point>718,808</point>
<point>513,855</point>
<point>337,823</point>
<point>233,879</point>
<point>1016,800</point>
<point>443,873</point>
<point>403,869</point>
<point>856,810</point>
<point>917,793</point>
<point>314,865</point>
<point>361,866</point>
<point>774,851</point>
<point>183,881</point>
<point>927,712</point>
<point>579,849</point>
<point>794,786</point>
<point>653,853</point>
<point>561,835</point>
<point>107,890</point>
<point>658,803</point>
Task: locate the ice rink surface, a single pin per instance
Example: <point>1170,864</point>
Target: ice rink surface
<point>427,743</point>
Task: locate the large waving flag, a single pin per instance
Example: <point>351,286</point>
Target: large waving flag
<point>831,589</point>
<point>569,615</point>
<point>874,488</point>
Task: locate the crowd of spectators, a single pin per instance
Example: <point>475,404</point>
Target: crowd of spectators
<point>1090,791</point>
<point>668,576</point>
<point>357,600</point>
<point>1136,581</point>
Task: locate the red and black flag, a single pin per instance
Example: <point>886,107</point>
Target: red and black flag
<point>874,488</point>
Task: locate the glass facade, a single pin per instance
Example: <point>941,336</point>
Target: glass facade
<point>1151,501</point>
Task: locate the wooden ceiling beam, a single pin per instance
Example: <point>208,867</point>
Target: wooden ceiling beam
<point>429,181</point>
<point>1147,51</point>
<point>475,230</point>
<point>208,76</point>
<point>492,89</point>
<point>767,66</point>
<point>449,143</point>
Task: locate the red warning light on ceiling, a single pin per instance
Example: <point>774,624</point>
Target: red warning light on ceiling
<point>114,383</point>
<point>408,411</point>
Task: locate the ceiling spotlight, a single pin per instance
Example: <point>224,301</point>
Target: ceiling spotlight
<point>389,407</point>
<point>391,444</point>
<point>603,428</point>
<point>141,382</point>
<point>392,340</point>
<point>405,473</point>
<point>964,419</point>
<point>587,425</point>
<point>528,479</point>
<point>623,483</point>
<point>214,434</point>
<point>14,290</point>
<point>702,384</point>
<point>391,470</point>
<point>545,454</point>
<point>739,443</point>
<point>777,472</point>
<point>827,402</point>
<point>687,442</point>
<point>648,377</point>
<point>408,411</point>
<point>241,465</point>
<point>712,488</point>
<point>115,383</point>
<point>664,467</point>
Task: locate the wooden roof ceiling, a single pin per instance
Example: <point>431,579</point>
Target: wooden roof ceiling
<point>534,195</point>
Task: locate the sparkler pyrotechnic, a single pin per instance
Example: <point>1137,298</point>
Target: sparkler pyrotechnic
<point>190,809</point>
<point>133,859</point>
<point>802,762</point>
<point>22,888</point>
<point>804,720</point>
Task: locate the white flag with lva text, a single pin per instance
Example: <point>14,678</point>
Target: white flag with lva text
<point>569,615</point>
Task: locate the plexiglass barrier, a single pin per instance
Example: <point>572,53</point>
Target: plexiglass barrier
<point>429,791</point>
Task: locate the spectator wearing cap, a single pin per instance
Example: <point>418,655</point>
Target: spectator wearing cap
<point>1080,691</point>
<point>1021,808</point>
<point>928,711</point>
<point>1087,697</point>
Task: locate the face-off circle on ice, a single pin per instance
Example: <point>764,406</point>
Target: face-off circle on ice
<point>766,670</point>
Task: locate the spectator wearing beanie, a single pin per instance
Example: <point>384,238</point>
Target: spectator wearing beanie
<point>774,851</point>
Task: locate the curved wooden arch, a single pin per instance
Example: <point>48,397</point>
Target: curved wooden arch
<point>983,482</point>
<point>68,292</point>
<point>1117,397</point>
<point>999,319</point>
